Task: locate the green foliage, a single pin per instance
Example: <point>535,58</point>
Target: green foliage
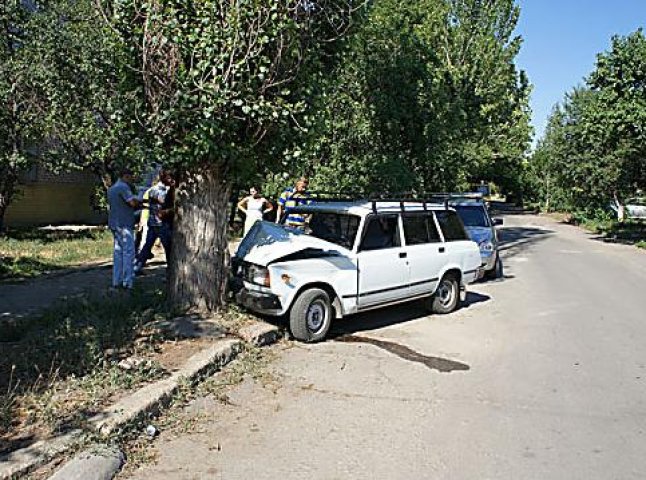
<point>595,143</point>
<point>19,102</point>
<point>60,66</point>
<point>215,76</point>
<point>424,96</point>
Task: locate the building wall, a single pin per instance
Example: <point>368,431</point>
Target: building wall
<point>50,200</point>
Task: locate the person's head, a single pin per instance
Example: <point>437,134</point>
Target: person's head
<point>166,177</point>
<point>254,191</point>
<point>302,184</point>
<point>127,175</point>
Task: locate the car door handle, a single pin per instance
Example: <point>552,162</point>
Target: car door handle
<point>441,249</point>
<point>403,255</point>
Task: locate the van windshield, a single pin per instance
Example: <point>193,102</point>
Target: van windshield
<point>338,228</point>
<point>472,216</point>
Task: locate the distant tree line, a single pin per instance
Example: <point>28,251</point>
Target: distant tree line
<point>595,143</point>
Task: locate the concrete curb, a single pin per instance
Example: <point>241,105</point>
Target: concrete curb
<point>150,397</point>
<point>260,334</point>
<point>101,463</point>
<point>136,406</point>
<point>20,462</point>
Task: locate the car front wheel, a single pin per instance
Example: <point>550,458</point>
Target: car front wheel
<point>496,271</point>
<point>311,315</point>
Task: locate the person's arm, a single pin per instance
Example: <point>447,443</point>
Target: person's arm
<point>242,205</point>
<point>279,211</point>
<point>268,206</point>
<point>130,199</point>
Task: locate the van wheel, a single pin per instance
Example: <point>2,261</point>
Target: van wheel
<point>447,296</point>
<point>311,315</point>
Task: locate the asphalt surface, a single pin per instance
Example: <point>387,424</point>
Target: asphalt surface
<point>542,375</point>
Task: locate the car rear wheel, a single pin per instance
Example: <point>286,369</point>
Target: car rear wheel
<point>311,315</point>
<point>447,296</point>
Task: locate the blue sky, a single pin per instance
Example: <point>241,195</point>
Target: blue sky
<point>561,41</point>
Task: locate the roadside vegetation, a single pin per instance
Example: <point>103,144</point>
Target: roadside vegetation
<point>595,144</point>
<point>59,367</point>
<point>32,252</point>
<point>630,232</point>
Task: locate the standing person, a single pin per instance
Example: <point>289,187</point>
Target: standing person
<point>160,218</point>
<point>254,207</point>
<point>121,221</point>
<point>291,198</point>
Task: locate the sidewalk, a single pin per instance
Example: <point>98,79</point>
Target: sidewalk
<point>18,300</point>
<point>24,298</point>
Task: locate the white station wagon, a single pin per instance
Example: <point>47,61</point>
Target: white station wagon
<point>352,257</point>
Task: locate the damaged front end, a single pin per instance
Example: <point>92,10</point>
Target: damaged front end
<point>256,283</point>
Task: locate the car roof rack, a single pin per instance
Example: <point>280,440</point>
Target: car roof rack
<point>425,199</point>
<point>420,198</point>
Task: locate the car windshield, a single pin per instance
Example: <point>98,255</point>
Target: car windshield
<point>472,216</point>
<point>339,228</point>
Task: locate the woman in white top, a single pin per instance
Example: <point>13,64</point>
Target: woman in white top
<point>254,207</point>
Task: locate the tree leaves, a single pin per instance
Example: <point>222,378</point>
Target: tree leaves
<point>595,143</point>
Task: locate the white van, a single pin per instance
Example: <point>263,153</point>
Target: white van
<point>352,257</point>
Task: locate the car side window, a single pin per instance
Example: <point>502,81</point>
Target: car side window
<point>420,229</point>
<point>382,231</point>
<point>451,226</point>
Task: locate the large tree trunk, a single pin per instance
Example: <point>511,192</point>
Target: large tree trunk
<point>198,267</point>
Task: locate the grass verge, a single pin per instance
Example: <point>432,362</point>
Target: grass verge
<point>629,232</point>
<point>30,252</point>
<point>60,367</point>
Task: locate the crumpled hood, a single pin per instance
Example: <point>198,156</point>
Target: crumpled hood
<point>267,241</point>
<point>480,234</point>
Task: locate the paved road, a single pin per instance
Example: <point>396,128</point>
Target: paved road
<point>541,376</point>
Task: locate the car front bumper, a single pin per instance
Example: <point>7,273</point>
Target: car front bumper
<point>265,303</point>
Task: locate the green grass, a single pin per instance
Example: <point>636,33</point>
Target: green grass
<point>630,232</point>
<point>31,252</point>
<point>57,368</point>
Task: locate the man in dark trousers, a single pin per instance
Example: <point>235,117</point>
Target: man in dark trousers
<point>160,220</point>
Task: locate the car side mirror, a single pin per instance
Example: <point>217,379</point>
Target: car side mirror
<point>497,221</point>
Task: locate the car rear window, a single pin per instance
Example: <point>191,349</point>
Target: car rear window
<point>473,216</point>
<point>420,229</point>
<point>451,226</point>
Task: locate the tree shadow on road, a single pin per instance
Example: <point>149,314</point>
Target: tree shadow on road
<point>516,240</point>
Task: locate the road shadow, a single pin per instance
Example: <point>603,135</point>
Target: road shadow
<point>515,240</point>
<point>388,316</point>
<point>442,365</point>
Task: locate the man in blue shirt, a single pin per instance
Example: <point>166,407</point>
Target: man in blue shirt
<point>121,220</point>
<point>291,198</point>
